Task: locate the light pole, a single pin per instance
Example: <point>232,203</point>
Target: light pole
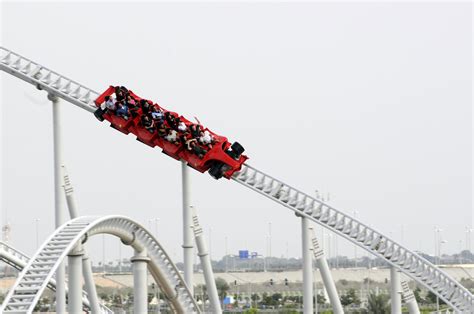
<point>439,250</point>
<point>269,239</point>
<point>401,234</point>
<point>103,253</point>
<point>329,238</point>
<point>355,212</point>
<point>210,244</point>
<point>460,252</point>
<point>156,227</point>
<point>437,232</point>
<point>120,256</point>
<point>150,221</point>
<point>439,260</point>
<point>468,238</point>
<point>225,249</point>
<point>37,232</point>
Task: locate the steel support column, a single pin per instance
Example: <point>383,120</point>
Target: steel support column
<point>74,260</point>
<point>412,306</point>
<point>395,291</point>
<point>409,298</point>
<point>206,265</point>
<point>327,277</point>
<point>140,285</point>
<point>90,284</point>
<point>188,255</point>
<point>307,268</point>
<point>86,264</point>
<point>58,208</point>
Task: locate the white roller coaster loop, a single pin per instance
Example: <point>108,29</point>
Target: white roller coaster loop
<point>37,274</point>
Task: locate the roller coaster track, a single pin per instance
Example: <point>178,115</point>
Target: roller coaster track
<point>413,265</point>
<point>19,260</point>
<point>36,275</point>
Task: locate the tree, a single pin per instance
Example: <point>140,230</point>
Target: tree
<point>431,298</point>
<point>344,282</point>
<point>222,287</point>
<point>255,297</point>
<point>350,297</point>
<point>378,303</point>
<point>321,299</point>
<point>416,293</point>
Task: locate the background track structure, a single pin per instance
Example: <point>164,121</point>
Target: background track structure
<point>19,260</point>
<point>36,275</point>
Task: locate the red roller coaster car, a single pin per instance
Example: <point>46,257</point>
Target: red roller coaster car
<point>222,160</point>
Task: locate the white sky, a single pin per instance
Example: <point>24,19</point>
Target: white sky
<point>369,102</point>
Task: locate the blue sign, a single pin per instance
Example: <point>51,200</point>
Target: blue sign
<point>244,254</point>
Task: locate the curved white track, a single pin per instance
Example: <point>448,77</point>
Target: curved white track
<point>422,271</point>
<point>35,277</point>
<point>19,260</point>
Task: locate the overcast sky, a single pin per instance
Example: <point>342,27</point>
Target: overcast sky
<point>368,102</point>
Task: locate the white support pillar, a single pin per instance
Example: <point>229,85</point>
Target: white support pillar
<point>188,256</point>
<point>74,260</point>
<point>86,264</point>
<point>140,285</point>
<point>58,209</point>
<point>307,268</point>
<point>206,265</point>
<point>412,306</point>
<point>326,275</point>
<point>409,298</point>
<point>395,291</point>
<point>90,284</point>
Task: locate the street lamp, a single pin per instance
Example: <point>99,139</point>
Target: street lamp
<point>439,252</point>
<point>437,232</point>
<point>225,260</point>
<point>355,212</point>
<point>37,232</point>
<point>156,227</point>
<point>269,239</point>
<point>468,238</point>
<point>439,249</point>
<point>150,221</point>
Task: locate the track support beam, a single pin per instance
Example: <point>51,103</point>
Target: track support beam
<point>307,268</point>
<point>327,277</point>
<point>395,291</point>
<point>203,254</point>
<point>58,208</point>
<point>86,264</point>
<point>74,260</point>
<point>140,285</point>
<point>409,298</point>
<point>188,248</point>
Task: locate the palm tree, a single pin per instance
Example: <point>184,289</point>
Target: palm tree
<point>378,304</point>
